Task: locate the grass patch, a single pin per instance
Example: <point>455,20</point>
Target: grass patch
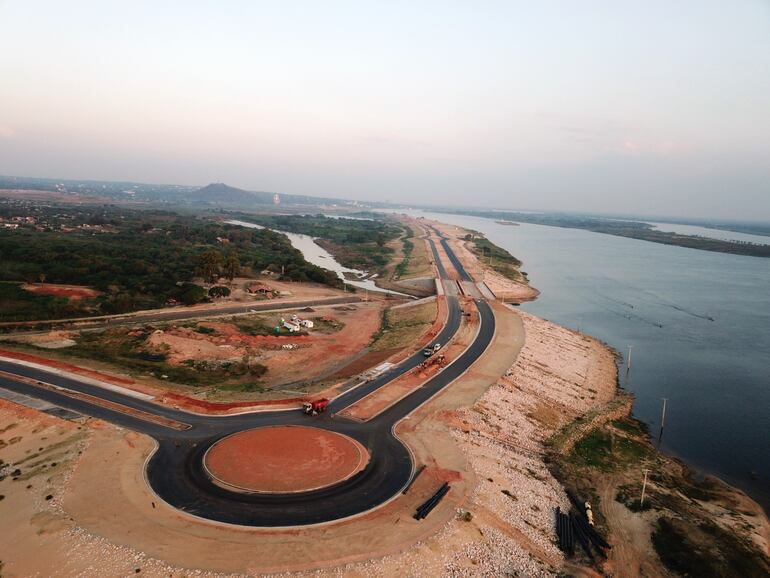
<point>321,325</point>
<point>631,426</point>
<point>601,449</point>
<point>17,304</point>
<point>127,350</point>
<point>401,327</point>
<point>629,494</point>
<point>497,258</point>
<point>254,326</point>
<point>706,551</point>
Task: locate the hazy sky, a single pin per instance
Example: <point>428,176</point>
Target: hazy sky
<point>658,107</point>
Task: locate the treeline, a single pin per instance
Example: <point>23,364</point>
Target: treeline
<point>631,229</point>
<point>355,243</point>
<point>150,258</point>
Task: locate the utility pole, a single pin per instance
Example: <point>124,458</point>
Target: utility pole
<point>644,487</point>
<point>628,362</point>
<point>663,414</point>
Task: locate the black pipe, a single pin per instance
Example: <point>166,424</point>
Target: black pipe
<point>592,534</point>
<point>435,502</point>
<point>427,502</point>
<point>430,503</point>
<point>581,538</point>
<point>436,498</point>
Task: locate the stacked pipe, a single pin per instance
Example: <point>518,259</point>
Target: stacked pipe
<point>430,503</point>
<point>564,533</point>
<point>591,534</point>
<point>576,526</point>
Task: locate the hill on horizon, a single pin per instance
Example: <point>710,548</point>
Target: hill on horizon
<point>222,194</point>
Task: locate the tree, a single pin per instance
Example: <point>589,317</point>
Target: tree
<point>190,294</point>
<point>232,268</point>
<point>219,291</point>
<point>209,264</point>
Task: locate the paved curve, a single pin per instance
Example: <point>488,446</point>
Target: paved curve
<point>175,470</point>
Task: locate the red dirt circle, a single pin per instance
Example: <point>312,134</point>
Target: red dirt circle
<point>283,459</point>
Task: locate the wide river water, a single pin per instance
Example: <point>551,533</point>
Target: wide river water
<point>699,324</point>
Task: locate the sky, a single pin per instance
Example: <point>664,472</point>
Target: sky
<point>652,107</point>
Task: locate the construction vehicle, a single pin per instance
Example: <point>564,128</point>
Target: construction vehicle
<point>315,407</point>
<point>439,360</point>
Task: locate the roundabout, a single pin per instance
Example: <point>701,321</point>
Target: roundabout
<point>279,468</point>
<point>284,460</point>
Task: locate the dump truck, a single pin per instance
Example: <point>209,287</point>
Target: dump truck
<point>315,407</point>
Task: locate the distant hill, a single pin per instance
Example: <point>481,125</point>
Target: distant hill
<point>218,194</point>
<point>222,194</point>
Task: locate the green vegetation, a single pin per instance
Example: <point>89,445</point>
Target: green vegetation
<point>706,550</point>
<point>630,494</point>
<point>355,243</point>
<point>606,451</point>
<point>403,325</point>
<point>497,258</point>
<point>127,349</point>
<point>632,229</point>
<point>407,249</point>
<point>631,426</point>
<point>137,259</point>
<point>253,325</point>
<point>218,291</point>
<point>685,533</point>
<point>17,304</point>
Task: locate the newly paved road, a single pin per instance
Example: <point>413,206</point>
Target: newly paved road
<point>175,471</point>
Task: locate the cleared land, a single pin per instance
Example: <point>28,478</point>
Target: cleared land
<point>403,326</point>
<point>284,459</point>
<point>225,359</point>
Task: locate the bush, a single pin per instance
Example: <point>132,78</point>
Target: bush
<point>219,291</point>
<point>190,294</point>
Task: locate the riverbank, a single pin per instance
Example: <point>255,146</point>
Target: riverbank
<point>596,451</point>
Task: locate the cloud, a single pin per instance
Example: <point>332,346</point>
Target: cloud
<point>6,132</point>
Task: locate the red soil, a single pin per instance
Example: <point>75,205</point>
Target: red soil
<point>72,292</point>
<point>284,459</point>
<point>204,406</point>
<point>68,367</point>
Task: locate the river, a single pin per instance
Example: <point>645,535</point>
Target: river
<point>317,255</point>
<point>699,324</point>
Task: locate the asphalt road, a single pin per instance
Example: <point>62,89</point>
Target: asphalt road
<point>175,470</point>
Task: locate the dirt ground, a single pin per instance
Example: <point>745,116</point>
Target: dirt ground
<point>313,356</point>
<point>284,459</point>
<point>111,522</point>
<point>72,292</point>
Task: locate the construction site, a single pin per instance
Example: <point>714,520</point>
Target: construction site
<point>438,436</point>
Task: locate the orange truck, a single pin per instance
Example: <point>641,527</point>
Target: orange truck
<point>315,407</point>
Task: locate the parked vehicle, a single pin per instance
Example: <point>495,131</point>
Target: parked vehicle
<point>315,407</point>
